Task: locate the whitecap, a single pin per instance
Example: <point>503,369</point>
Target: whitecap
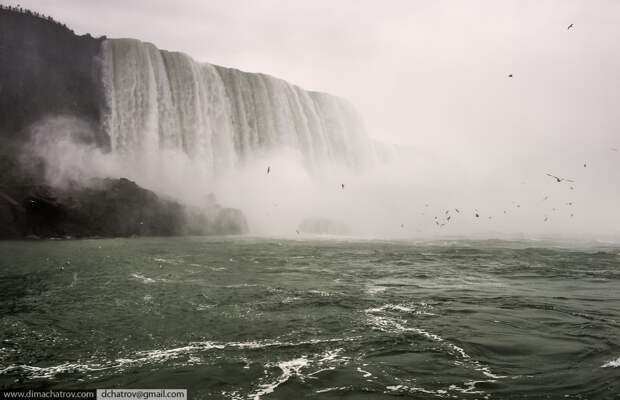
<point>289,369</point>
<point>142,278</point>
<point>612,364</point>
<point>50,372</point>
<point>165,261</point>
<point>387,324</point>
<point>294,367</point>
<point>364,373</point>
<point>162,355</point>
<point>331,389</point>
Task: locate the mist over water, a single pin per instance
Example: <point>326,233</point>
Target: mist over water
<point>187,130</point>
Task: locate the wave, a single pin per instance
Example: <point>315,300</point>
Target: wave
<point>612,364</point>
<point>155,356</point>
<point>142,278</point>
<point>390,324</point>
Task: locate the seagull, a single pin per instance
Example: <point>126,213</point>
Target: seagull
<point>448,219</point>
<point>557,178</point>
<point>457,210</point>
<point>268,170</point>
<point>570,26</point>
<point>342,184</point>
<point>297,230</point>
<point>546,218</point>
<point>510,75</point>
<point>477,215</point>
<point>584,165</point>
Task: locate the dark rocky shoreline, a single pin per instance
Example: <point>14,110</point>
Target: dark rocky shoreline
<point>48,70</point>
<point>106,208</point>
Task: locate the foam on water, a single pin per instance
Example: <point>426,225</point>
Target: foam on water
<point>289,369</point>
<point>142,278</point>
<point>295,368</point>
<point>390,324</point>
<point>142,358</point>
<point>612,364</point>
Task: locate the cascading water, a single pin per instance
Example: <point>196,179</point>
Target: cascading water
<point>160,101</point>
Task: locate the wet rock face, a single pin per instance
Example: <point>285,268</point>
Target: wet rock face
<point>47,70</point>
<point>108,208</point>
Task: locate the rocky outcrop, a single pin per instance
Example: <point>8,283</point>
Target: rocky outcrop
<point>105,208</point>
<point>108,208</point>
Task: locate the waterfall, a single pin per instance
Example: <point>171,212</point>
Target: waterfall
<point>219,117</point>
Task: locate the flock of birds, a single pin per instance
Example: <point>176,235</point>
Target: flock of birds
<point>448,216</point>
<point>438,222</point>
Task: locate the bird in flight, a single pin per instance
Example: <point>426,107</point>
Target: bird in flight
<point>342,184</point>
<point>570,26</point>
<point>557,178</point>
<point>268,170</point>
<point>510,75</point>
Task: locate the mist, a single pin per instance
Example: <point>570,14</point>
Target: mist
<point>430,78</point>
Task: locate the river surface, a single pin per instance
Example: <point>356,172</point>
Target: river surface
<point>244,318</point>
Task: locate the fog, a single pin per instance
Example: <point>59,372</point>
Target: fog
<point>428,76</point>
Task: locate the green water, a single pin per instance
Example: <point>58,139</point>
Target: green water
<point>232,318</point>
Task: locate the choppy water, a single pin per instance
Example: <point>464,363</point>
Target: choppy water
<point>269,319</point>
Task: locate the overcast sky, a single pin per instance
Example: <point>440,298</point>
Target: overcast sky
<point>432,74</point>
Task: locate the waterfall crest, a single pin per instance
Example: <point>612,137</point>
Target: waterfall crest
<point>219,117</point>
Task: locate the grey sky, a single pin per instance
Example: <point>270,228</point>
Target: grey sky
<point>428,73</point>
